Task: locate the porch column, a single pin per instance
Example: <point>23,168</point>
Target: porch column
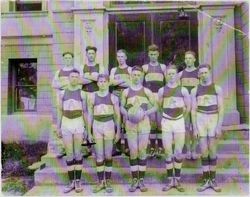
<point>217,48</point>
<point>90,28</point>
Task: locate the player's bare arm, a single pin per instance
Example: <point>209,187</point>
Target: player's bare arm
<point>117,117</point>
<point>220,109</point>
<point>193,110</point>
<point>152,101</point>
<point>187,101</point>
<point>123,103</point>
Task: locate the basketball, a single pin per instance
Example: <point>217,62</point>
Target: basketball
<point>135,114</point>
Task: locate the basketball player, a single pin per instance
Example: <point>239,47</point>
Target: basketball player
<point>174,103</point>
<point>207,117</point>
<point>73,115</point>
<point>154,80</point>
<point>91,71</point>
<point>189,79</point>
<point>137,103</point>
<point>60,82</point>
<point>105,115</point>
<point>120,80</point>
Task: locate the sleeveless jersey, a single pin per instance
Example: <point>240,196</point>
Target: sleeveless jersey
<point>64,74</point>
<point>189,79</point>
<point>121,73</point>
<point>173,102</point>
<point>154,78</point>
<point>137,97</point>
<point>103,108</point>
<point>91,87</point>
<point>72,104</point>
<point>206,97</point>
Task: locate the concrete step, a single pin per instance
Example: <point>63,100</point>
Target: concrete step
<point>224,161</point>
<point>48,175</point>
<point>228,188</point>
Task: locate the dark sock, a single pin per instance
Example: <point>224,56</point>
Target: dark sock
<point>100,170</point>
<point>78,174</point>
<point>108,164</point>
<point>160,143</point>
<point>142,167</point>
<point>71,175</point>
<point>177,167</point>
<point>134,168</point>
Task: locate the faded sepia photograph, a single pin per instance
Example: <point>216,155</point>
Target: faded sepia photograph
<point>124,98</point>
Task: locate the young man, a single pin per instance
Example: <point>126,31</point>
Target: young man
<point>207,117</point>
<point>189,79</point>
<point>91,71</point>
<point>154,80</point>
<point>73,115</point>
<point>120,80</point>
<point>105,115</point>
<point>174,103</point>
<point>136,99</point>
<point>60,82</point>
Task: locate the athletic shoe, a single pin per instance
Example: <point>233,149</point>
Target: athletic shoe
<point>178,185</point>
<point>205,185</point>
<point>159,152</point>
<point>100,186</point>
<point>194,155</point>
<point>133,185</point>
<point>188,155</point>
<point>141,185</point>
<point>109,188</point>
<point>69,187</point>
<point>214,185</point>
<point>169,185</point>
<point>78,187</point>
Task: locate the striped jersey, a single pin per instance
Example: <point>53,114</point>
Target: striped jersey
<point>72,103</point>
<point>64,74</point>
<point>103,108</point>
<point>173,102</point>
<point>121,73</point>
<point>206,97</point>
<point>154,78</point>
<point>91,87</point>
<point>189,79</point>
<point>137,97</point>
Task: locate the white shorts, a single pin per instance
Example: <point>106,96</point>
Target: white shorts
<point>141,127</point>
<point>72,126</point>
<point>206,124</point>
<point>174,126</point>
<point>104,130</point>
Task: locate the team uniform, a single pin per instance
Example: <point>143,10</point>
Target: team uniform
<point>72,127</point>
<point>103,130</point>
<point>173,129</point>
<point>92,86</point>
<point>154,80</point>
<point>138,135</point>
<point>121,73</point>
<point>207,110</point>
<point>61,75</point>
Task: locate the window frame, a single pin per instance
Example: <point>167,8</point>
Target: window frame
<point>13,6</point>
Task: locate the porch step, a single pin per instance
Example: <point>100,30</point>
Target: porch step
<point>230,188</point>
<point>59,176</point>
<point>224,161</point>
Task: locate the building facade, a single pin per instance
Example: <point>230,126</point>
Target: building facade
<point>34,35</point>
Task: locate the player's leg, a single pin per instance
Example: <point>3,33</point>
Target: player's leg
<point>99,149</point>
<point>78,160</point>
<point>153,136</point>
<point>188,137</point>
<point>167,140</point>
<point>132,137</point>
<point>179,140</point>
<point>68,144</point>
<point>108,146</point>
<point>159,133</point>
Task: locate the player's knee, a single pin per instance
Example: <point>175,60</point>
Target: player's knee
<point>178,156</point>
<point>78,159</point>
<point>70,161</point>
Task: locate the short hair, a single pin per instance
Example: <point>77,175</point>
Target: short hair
<point>122,51</point>
<point>153,47</point>
<point>90,48</point>
<point>105,76</point>
<point>138,68</point>
<point>172,66</point>
<point>190,52</point>
<point>74,71</point>
<point>204,66</point>
<point>67,52</point>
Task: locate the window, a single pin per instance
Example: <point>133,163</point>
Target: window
<point>22,85</point>
<point>25,5</point>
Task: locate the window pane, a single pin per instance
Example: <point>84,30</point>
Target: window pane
<point>26,98</point>
<point>26,74</point>
<point>28,6</point>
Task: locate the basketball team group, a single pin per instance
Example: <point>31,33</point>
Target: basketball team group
<point>176,107</point>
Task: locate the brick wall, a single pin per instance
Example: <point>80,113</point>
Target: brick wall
<point>242,60</point>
